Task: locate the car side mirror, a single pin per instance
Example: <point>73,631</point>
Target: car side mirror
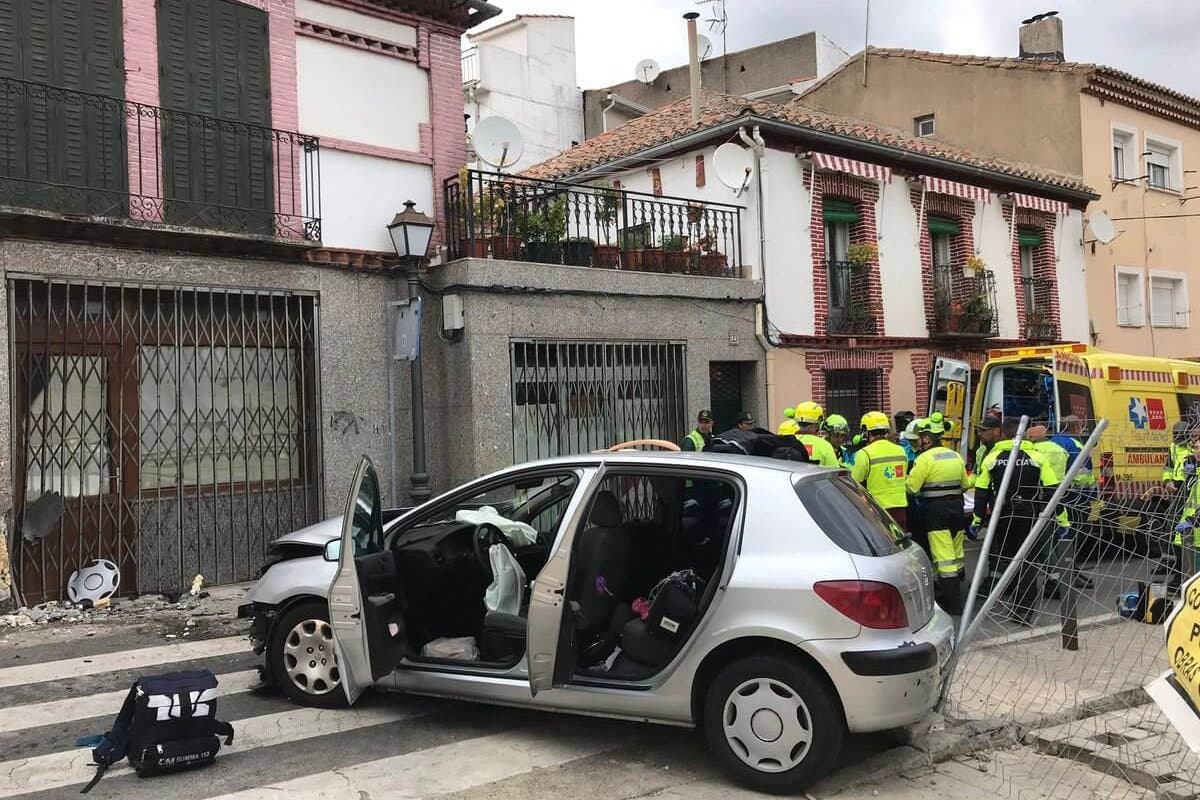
<point>333,550</point>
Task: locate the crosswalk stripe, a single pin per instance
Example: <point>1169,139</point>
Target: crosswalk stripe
<point>449,767</point>
<point>122,659</point>
<point>17,718</point>
<point>69,767</point>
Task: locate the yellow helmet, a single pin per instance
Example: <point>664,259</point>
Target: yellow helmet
<point>809,413</point>
<point>933,424</point>
<point>836,423</point>
<point>875,421</point>
<point>788,428</point>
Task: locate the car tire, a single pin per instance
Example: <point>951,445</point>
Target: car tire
<point>773,723</point>
<point>303,632</point>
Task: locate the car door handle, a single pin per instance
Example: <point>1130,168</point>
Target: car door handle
<point>380,600</point>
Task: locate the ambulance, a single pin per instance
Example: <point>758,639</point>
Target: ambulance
<point>1142,398</point>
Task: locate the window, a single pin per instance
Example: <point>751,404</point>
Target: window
<point>924,125</point>
<point>1122,154</point>
<point>1028,284</point>
<point>852,392</point>
<point>1163,170</point>
<point>1130,309</point>
<point>1168,301</point>
<point>943,249</point>
<point>1074,398</point>
<point>837,240</point>
<point>539,501</point>
<point>844,512</point>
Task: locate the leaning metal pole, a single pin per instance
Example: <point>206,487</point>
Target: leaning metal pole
<point>1018,560</point>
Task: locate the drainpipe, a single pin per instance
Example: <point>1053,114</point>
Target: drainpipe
<point>758,146</point>
<point>612,101</point>
<point>693,65</point>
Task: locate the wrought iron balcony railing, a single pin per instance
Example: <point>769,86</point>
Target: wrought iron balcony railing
<point>547,222</point>
<point>850,312</point>
<point>1039,324</point>
<point>82,154</point>
<point>964,304</point>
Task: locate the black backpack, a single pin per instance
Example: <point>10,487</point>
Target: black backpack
<point>167,723</point>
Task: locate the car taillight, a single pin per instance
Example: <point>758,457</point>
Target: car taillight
<point>1107,477</point>
<point>869,603</point>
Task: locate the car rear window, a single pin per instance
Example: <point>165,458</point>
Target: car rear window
<point>848,516</point>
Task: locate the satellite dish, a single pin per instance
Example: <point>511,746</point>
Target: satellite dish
<point>497,142</point>
<point>703,47</point>
<point>647,70</point>
<point>1102,227</point>
<point>734,166</point>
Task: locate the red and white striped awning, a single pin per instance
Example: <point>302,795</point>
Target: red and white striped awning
<point>1040,203</point>
<point>863,169</point>
<point>963,190</point>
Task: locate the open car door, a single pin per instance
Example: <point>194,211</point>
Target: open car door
<point>364,607</point>
<point>950,393</point>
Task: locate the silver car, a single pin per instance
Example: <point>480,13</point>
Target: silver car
<point>769,603</point>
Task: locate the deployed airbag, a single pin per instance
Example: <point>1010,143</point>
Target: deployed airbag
<point>504,594</point>
<point>520,534</point>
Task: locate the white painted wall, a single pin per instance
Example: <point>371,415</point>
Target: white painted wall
<point>528,75</point>
<point>1072,279</point>
<point>360,195</point>
<point>343,19</point>
<point>829,55</point>
<point>789,268</point>
<point>361,96</point>
<point>513,37</point>
<point>994,245</point>
<point>900,261</point>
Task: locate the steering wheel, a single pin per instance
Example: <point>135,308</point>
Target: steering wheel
<point>484,536</point>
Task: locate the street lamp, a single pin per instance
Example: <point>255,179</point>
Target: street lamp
<point>411,231</point>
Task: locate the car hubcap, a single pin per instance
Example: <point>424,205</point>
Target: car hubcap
<point>767,725</point>
<point>308,657</point>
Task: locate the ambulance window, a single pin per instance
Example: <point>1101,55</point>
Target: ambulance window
<point>1075,399</point>
<point>1189,408</point>
<point>1018,390</point>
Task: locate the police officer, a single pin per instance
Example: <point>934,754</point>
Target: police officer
<point>1079,496</point>
<point>881,466</point>
<point>745,422</point>
<point>1029,487</point>
<point>809,417</point>
<point>1187,521</point>
<point>837,430</point>
<point>700,435</point>
<point>937,481</point>
<point>987,432</point>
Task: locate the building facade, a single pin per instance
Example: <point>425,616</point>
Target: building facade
<point>1134,141</point>
<point>878,251</point>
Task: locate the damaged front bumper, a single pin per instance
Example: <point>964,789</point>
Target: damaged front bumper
<point>262,617</point>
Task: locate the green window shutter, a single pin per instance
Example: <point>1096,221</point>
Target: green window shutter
<point>835,209</point>
<point>943,225</point>
<point>1029,237</point>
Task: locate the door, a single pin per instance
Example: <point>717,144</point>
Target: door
<point>547,638</point>
<point>950,393</point>
<point>725,391</point>
<point>364,606</point>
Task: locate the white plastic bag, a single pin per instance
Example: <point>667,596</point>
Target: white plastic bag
<point>461,648</point>
<point>508,584</point>
<point>520,534</point>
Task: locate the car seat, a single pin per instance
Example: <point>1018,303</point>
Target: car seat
<point>656,640</point>
<point>603,557</point>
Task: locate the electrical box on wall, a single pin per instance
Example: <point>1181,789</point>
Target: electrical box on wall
<point>452,312</point>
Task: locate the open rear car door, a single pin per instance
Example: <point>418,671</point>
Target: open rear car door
<point>950,393</point>
<point>364,606</point>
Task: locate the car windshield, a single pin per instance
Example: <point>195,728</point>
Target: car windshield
<point>521,501</point>
<point>849,517</point>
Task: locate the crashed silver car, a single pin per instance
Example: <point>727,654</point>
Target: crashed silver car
<point>769,603</point>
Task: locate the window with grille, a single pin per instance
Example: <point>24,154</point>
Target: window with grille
<point>852,392</point>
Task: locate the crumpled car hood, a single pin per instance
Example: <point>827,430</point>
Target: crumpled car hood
<point>317,534</point>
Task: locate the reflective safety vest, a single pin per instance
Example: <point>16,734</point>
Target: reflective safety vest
<point>1176,461</point>
<point>881,466</point>
<point>1056,457</point>
<point>938,472</point>
<point>820,451</point>
<point>697,440</point>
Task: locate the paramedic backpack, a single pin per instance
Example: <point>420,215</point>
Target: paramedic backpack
<point>167,723</point>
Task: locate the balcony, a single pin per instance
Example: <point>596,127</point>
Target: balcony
<point>964,304</point>
<point>470,65</point>
<point>546,222</point>
<point>75,154</point>
<point>1039,324</point>
<point>850,312</point>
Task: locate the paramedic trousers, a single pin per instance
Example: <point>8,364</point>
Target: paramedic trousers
<point>942,537</point>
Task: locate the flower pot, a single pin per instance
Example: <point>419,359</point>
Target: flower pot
<point>543,252</point>
<point>578,254</point>
<point>714,264</point>
<point>654,260</point>
<point>677,261</point>
<point>468,250</point>
<point>607,256</point>
<point>506,247</point>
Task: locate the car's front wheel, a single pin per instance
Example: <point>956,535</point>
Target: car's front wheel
<point>772,723</point>
<point>301,658</point>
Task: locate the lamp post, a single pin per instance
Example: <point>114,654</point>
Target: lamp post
<point>411,231</point>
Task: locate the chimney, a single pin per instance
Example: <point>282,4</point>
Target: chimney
<point>693,65</point>
<point>1041,37</point>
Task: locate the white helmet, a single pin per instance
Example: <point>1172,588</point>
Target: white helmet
<point>94,582</point>
<point>910,432</point>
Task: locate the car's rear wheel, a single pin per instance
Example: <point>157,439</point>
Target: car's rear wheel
<point>301,657</point>
<point>772,723</point>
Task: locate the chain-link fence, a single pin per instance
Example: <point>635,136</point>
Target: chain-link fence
<point>1068,628</point>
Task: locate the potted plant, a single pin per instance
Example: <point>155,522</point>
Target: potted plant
<point>578,251</point>
<point>676,253</point>
<point>712,262</point>
<point>608,201</point>
<point>542,226</point>
<point>974,265</point>
<point>977,316</point>
<point>860,254</point>
<point>695,212</point>
<point>1038,325</point>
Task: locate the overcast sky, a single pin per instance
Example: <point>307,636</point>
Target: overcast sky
<point>1159,41</point>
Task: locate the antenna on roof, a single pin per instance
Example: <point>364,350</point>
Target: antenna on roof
<point>647,70</point>
<point>497,142</point>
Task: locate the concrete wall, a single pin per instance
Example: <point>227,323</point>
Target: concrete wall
<point>473,375</point>
<point>1012,113</point>
<point>1155,231</point>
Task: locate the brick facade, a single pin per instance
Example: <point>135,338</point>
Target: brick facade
<point>1045,273</point>
<point>867,291</point>
<point>818,362</point>
<point>963,212</point>
<point>441,53</point>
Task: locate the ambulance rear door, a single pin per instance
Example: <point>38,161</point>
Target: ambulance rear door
<point>950,393</point>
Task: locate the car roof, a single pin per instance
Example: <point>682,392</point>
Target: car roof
<point>737,463</point>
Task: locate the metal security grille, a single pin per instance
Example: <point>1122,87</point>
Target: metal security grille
<point>725,391</point>
<point>579,395</point>
<point>853,392</point>
<point>173,431</point>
